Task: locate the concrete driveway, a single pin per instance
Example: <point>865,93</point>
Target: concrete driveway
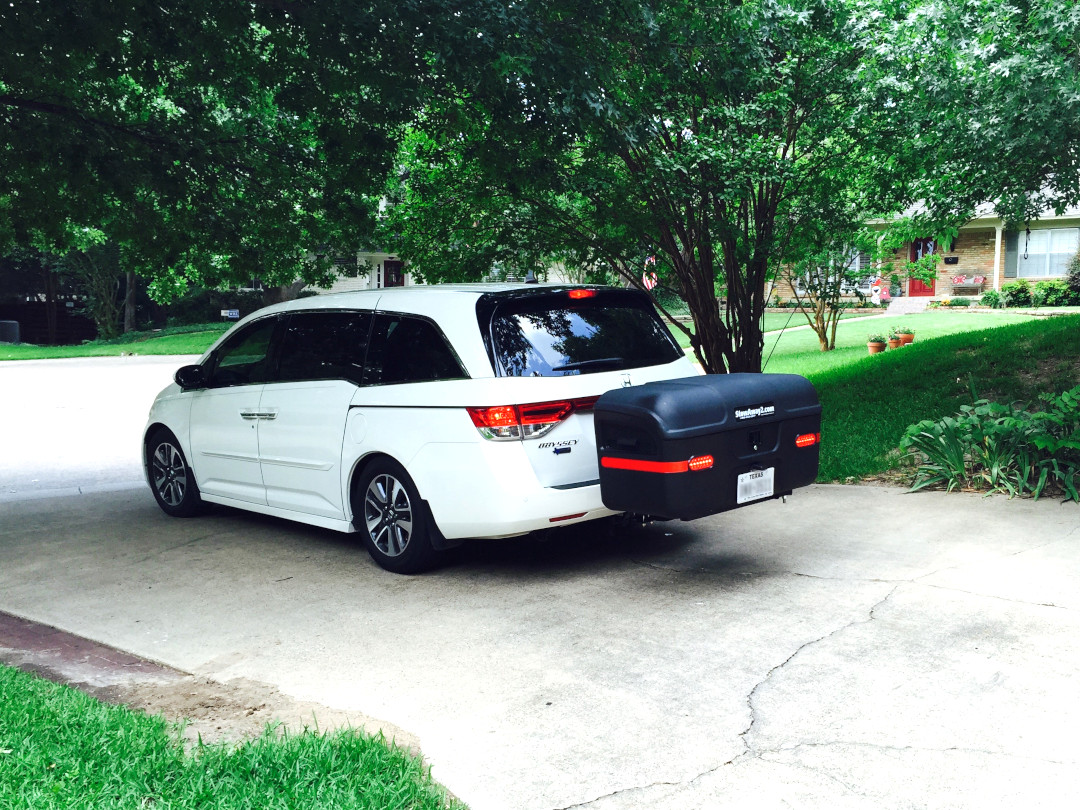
<point>857,647</point>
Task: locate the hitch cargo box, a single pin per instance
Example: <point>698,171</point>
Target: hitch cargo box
<point>697,446</point>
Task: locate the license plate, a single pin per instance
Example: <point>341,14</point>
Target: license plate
<point>755,485</point>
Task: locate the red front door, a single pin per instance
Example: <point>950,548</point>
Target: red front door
<point>920,248</point>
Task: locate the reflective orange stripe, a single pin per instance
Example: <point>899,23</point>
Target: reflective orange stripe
<point>644,466</point>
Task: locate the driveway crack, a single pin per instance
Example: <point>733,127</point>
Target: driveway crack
<point>743,735</point>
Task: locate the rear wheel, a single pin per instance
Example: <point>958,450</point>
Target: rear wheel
<point>171,479</point>
<point>393,520</point>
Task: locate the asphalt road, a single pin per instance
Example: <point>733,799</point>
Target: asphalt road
<point>857,647</point>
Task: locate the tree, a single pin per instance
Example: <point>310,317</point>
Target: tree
<point>212,141</point>
<point>820,280</point>
<point>721,139</point>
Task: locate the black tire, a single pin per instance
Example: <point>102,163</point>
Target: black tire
<point>392,519</point>
<point>171,478</point>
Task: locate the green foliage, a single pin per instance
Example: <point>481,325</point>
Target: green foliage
<point>60,748</point>
<point>992,299</point>
<point>868,402</point>
<point>1072,275</point>
<point>1001,448</point>
<point>1053,293</point>
<point>1017,294</point>
<point>725,140</point>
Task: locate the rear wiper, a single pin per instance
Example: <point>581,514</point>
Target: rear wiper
<point>599,362</point>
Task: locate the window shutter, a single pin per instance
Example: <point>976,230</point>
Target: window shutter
<point>1012,245</point>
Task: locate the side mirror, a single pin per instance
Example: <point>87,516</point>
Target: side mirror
<point>188,377</point>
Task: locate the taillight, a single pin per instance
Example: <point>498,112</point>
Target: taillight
<point>510,422</point>
<point>807,439</point>
<point>579,294</point>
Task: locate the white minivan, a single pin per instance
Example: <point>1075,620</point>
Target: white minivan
<point>417,416</point>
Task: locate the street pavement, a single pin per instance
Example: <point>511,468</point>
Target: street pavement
<point>856,647</point>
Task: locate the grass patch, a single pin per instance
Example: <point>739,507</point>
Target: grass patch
<point>192,339</point>
<point>775,321</point>
<point>869,401</point>
<point>60,748</point>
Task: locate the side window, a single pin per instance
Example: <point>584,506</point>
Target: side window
<point>324,346</point>
<point>242,359</point>
<point>405,349</point>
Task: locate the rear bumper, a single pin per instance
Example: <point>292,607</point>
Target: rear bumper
<point>489,490</point>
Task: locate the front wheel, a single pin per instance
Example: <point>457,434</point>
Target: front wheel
<point>391,517</point>
<point>171,479</point>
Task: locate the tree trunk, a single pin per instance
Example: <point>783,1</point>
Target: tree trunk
<point>50,305</point>
<point>129,301</point>
<point>284,292</point>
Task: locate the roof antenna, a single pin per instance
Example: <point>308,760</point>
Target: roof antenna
<point>530,277</point>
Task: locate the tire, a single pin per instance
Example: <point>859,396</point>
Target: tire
<point>171,478</point>
<point>393,520</point>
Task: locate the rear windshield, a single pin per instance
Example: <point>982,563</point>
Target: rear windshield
<point>555,336</point>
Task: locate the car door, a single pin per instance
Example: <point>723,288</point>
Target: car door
<point>224,433</point>
<point>304,408</point>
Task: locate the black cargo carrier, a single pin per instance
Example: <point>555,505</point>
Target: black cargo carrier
<point>697,446</point>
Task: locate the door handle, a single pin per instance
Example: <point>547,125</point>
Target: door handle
<point>249,415</point>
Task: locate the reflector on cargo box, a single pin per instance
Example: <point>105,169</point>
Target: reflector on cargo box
<point>656,442</point>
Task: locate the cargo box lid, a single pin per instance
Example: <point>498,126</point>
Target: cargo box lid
<point>694,406</point>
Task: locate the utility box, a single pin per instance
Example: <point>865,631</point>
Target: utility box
<point>9,332</point>
<point>701,445</point>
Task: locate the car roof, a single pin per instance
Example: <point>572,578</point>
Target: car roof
<point>405,298</point>
<point>457,322</point>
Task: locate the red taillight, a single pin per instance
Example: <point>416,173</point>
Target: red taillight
<point>579,294</point>
<point>506,422</point>
<point>807,439</point>
<point>700,463</point>
<point>499,417</point>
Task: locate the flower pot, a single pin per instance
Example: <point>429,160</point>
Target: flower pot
<point>875,347</point>
<point>907,337</point>
<point>894,343</point>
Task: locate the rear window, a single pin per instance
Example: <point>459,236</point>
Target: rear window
<point>553,335</point>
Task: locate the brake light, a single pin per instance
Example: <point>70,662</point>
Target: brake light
<point>807,439</point>
<point>700,463</point>
<point>579,294</point>
<point>510,422</point>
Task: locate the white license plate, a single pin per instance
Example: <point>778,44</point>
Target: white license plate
<point>755,485</point>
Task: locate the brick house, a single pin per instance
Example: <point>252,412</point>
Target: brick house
<point>987,256</point>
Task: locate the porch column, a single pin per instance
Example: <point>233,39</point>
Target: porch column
<point>998,231</point>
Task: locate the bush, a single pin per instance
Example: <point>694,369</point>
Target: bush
<point>1001,448</point>
<point>992,299</point>
<point>204,306</point>
<point>1017,294</point>
<point>1055,293</point>
<point>1072,276</point>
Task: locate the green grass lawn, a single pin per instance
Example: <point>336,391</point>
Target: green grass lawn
<point>869,400</point>
<point>775,321</point>
<point>175,340</point>
<point>63,750</point>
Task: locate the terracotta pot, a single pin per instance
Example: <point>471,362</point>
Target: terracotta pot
<point>907,337</point>
<point>894,343</point>
<point>874,348</point>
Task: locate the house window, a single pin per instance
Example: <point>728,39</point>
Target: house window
<point>922,247</point>
<point>1046,252</point>
<point>855,262</point>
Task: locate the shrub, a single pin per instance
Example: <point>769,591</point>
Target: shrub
<point>1054,293</point>
<point>992,299</point>
<point>956,302</point>
<point>1072,276</point>
<point>1001,448</point>
<point>1017,294</point>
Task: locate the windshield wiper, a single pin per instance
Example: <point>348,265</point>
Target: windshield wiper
<point>600,362</point>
